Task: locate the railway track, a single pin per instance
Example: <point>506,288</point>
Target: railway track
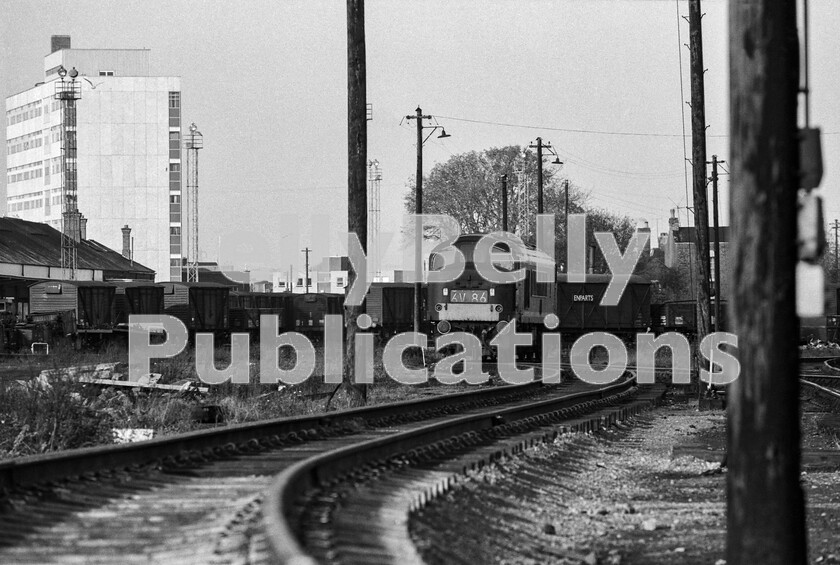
<point>197,498</point>
<point>824,387</point>
<point>352,505</point>
<point>821,376</point>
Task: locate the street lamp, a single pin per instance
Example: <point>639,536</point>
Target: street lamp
<point>418,204</point>
<point>68,92</point>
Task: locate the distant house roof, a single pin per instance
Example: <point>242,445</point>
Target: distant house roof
<point>219,277</point>
<point>35,244</point>
<point>689,234</point>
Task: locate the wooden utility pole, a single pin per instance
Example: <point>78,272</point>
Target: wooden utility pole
<point>715,164</point>
<point>566,221</point>
<point>765,509</point>
<point>698,156</point>
<point>504,204</point>
<point>306,251</point>
<point>836,229</point>
<point>356,177</point>
<point>418,223</point>
<point>539,147</point>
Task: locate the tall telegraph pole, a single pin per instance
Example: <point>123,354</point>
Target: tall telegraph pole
<point>836,228</point>
<point>765,508</point>
<point>539,176</point>
<point>504,203</point>
<point>306,252</point>
<point>718,297</point>
<point>357,116</point>
<point>698,155</point>
<point>418,223</point>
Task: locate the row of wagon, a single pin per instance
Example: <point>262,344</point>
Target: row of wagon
<point>88,307</point>
<point>91,307</point>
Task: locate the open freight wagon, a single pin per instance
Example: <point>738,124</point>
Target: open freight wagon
<point>247,307</point>
<point>79,306</point>
<point>308,310</point>
<point>136,298</point>
<point>681,316</point>
<point>391,307</point>
<point>580,311</point>
<point>202,307</point>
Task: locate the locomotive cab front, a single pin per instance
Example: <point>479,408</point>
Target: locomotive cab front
<point>470,303</point>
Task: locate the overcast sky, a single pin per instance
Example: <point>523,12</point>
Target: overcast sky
<point>265,81</point>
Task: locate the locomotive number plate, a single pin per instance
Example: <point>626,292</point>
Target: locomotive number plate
<point>477,296</point>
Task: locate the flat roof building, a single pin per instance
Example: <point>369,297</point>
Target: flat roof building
<point>128,140</point>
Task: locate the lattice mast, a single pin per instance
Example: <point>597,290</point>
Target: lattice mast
<point>374,214</point>
<point>194,142</point>
<point>67,92</point>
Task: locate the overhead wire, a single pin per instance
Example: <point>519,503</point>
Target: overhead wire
<point>586,131</point>
<point>569,130</point>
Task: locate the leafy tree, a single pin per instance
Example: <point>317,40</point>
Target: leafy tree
<point>468,188</point>
<point>669,283</point>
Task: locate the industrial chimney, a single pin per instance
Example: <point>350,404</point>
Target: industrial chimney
<point>126,247</point>
<point>643,228</point>
<point>82,227</point>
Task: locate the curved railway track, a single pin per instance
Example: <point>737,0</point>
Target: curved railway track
<point>197,497</point>
<point>821,376</point>
<point>352,505</point>
<point>826,387</point>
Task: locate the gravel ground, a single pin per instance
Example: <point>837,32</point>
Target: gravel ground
<point>646,493</point>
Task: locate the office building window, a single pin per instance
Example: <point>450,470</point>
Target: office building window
<point>174,109</point>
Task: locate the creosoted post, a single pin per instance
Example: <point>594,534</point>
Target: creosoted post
<point>715,222</point>
<point>504,204</point>
<point>418,223</point>
<point>765,508</point>
<point>539,176</point>
<point>356,176</point>
<point>698,160</point>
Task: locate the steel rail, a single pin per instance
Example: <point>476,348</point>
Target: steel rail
<point>75,462</point>
<point>824,390</point>
<point>323,468</point>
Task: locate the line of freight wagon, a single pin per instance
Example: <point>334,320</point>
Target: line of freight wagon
<point>91,312</point>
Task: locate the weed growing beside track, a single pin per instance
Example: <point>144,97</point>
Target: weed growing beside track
<point>39,416</point>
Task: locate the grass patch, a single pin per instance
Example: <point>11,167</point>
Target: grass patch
<point>40,416</point>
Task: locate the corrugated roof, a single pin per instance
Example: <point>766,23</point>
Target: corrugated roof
<point>34,243</point>
<point>223,279</point>
<point>168,284</point>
